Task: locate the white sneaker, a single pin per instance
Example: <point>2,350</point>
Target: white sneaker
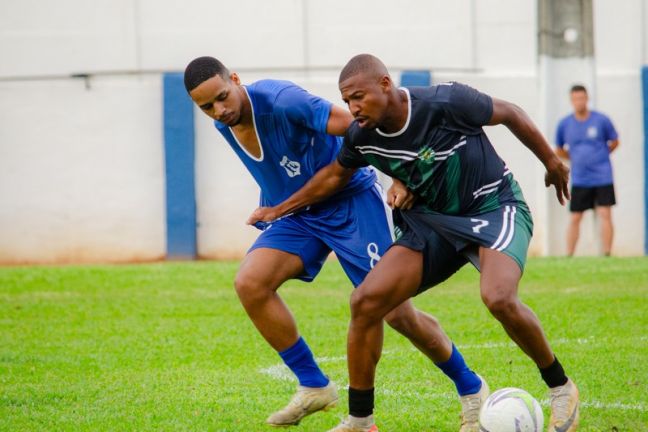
<point>470,407</point>
<point>564,408</point>
<point>356,424</point>
<point>306,401</point>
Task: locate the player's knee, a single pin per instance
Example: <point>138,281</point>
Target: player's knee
<point>604,215</point>
<point>502,306</point>
<point>365,307</point>
<point>249,289</point>
<point>401,321</point>
<point>576,218</point>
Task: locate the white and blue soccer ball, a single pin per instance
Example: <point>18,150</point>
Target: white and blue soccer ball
<point>511,410</point>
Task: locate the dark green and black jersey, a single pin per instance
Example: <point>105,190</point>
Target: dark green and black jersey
<point>442,153</point>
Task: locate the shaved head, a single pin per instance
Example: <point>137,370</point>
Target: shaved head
<point>365,64</point>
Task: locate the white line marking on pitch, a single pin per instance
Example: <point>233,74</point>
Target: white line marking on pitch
<point>282,373</point>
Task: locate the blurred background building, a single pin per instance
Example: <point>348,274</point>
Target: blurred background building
<point>103,158</point>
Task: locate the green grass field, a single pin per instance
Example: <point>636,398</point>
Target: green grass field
<point>167,347</point>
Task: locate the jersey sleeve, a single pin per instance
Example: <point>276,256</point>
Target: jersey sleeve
<point>303,108</point>
<point>349,156</point>
<point>466,107</point>
<point>610,132</point>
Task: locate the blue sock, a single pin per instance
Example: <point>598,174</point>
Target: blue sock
<point>299,359</point>
<point>466,381</point>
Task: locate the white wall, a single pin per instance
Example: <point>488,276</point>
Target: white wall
<point>81,171</point>
<point>94,189</point>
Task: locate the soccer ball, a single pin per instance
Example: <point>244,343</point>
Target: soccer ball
<point>511,410</point>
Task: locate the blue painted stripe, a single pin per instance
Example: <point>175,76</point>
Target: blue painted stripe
<point>412,78</point>
<point>644,81</point>
<point>179,152</point>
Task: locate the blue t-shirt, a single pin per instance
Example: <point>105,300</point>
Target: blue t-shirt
<point>588,148</point>
<point>291,129</point>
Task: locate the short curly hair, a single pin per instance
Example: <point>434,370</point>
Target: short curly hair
<point>201,69</point>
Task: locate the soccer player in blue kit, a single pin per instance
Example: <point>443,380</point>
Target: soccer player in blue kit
<point>284,135</point>
<point>470,208</point>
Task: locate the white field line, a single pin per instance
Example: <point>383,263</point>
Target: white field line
<point>593,404</point>
<point>282,373</point>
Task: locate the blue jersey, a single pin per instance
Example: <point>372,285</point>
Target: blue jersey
<point>291,129</point>
<point>588,148</point>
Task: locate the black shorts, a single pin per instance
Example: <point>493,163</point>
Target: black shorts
<point>585,198</point>
<point>448,242</point>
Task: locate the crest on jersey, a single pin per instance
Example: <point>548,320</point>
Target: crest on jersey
<point>292,168</point>
<point>426,155</point>
<point>592,132</point>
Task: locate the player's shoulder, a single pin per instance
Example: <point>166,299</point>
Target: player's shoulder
<point>269,88</point>
<point>441,92</point>
<point>426,93</point>
<point>273,96</point>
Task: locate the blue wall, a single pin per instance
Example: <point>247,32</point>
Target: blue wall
<point>179,151</point>
<point>412,78</point>
<point>644,81</point>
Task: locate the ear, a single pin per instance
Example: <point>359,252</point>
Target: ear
<point>385,83</point>
<point>235,78</point>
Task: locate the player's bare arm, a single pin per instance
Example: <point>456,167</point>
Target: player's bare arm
<point>339,121</point>
<point>330,179</point>
<point>518,122</point>
<point>398,196</point>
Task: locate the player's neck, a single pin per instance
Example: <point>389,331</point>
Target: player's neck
<point>582,115</point>
<point>397,108</point>
<point>247,116</point>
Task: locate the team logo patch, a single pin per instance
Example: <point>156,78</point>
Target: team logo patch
<point>592,132</point>
<point>427,155</point>
<point>292,168</point>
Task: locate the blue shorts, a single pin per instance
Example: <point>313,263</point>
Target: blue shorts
<point>357,228</point>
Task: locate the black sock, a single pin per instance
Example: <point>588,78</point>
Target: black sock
<point>554,374</point>
<point>361,402</point>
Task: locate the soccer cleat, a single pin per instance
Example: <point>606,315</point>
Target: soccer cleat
<point>306,401</point>
<point>470,407</point>
<point>564,408</point>
<point>356,424</point>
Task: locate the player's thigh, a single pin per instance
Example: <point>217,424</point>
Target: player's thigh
<point>576,217</point>
<point>440,261</point>
<point>604,213</point>
<point>362,239</point>
<point>500,276</point>
<point>266,269</point>
<point>393,280</point>
<point>286,249</point>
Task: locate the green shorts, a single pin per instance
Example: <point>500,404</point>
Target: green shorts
<point>448,242</point>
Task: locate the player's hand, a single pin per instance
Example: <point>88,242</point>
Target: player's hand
<point>263,214</point>
<point>398,196</point>
<point>558,175</point>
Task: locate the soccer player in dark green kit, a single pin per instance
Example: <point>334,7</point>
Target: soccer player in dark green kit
<point>470,208</point>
